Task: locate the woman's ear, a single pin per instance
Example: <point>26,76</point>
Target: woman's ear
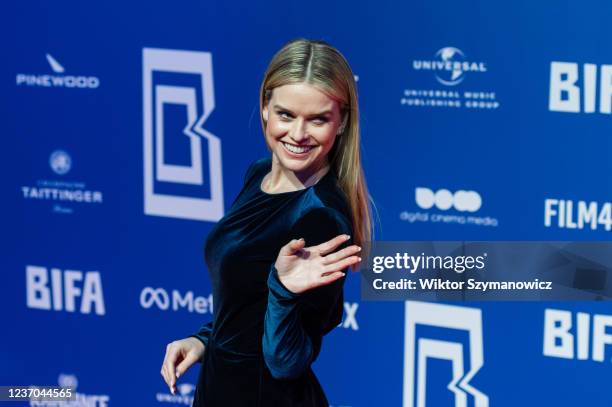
<point>264,113</point>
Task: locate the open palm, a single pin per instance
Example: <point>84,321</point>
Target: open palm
<point>302,268</point>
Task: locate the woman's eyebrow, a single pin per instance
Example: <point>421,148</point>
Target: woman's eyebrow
<point>279,107</point>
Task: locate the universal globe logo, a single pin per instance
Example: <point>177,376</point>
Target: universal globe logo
<point>450,66</point>
<point>60,162</point>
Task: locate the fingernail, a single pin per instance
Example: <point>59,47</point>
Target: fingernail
<point>301,238</point>
<point>359,258</point>
<point>177,375</point>
<point>347,237</point>
<point>358,248</point>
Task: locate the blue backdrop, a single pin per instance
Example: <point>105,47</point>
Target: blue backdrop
<point>127,128</point>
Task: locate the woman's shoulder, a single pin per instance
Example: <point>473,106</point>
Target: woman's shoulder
<point>328,203</point>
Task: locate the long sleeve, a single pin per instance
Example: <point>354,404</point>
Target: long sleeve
<point>294,324</point>
<point>204,333</point>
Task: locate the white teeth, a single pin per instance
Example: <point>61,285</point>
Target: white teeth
<point>296,149</point>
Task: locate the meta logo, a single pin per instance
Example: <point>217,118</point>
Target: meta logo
<point>450,65</point>
<point>565,88</point>
<point>581,336</point>
<point>350,316</point>
<point>182,160</point>
<point>159,297</point>
<point>61,290</point>
<point>59,80</point>
<point>577,215</point>
<point>420,349</point>
<point>443,199</point>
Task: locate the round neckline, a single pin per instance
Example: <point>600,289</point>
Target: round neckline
<point>267,171</point>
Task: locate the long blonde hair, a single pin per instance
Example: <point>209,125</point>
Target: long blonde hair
<point>320,64</point>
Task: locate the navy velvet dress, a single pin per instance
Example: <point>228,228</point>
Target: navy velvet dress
<point>263,338</point>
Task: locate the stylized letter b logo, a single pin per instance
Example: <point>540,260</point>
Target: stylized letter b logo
<point>415,361</point>
<point>178,87</point>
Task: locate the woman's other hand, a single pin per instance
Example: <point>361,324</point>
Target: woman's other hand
<point>180,356</point>
<point>303,268</point>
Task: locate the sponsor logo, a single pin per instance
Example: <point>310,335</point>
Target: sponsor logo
<point>581,336</point>
<point>159,298</point>
<point>64,290</point>
<point>450,66</point>
<point>82,399</point>
<point>568,214</point>
<point>60,191</point>
<point>572,93</point>
<point>464,203</point>
<point>60,162</point>
<point>350,316</point>
<point>58,79</point>
<point>184,396</point>
<point>420,349</point>
<point>178,97</point>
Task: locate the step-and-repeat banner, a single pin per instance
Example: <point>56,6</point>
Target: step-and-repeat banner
<point>127,129</point>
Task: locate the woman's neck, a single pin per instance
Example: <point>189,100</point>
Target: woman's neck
<point>281,179</point>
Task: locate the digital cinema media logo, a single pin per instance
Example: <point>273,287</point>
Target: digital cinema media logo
<point>182,160</point>
<point>59,78</point>
<point>448,207</point>
<point>64,194</point>
<point>450,67</point>
<point>421,347</point>
<point>575,90</point>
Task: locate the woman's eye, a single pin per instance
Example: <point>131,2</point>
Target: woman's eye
<point>319,121</point>
<point>284,115</point>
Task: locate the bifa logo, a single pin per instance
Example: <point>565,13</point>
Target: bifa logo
<point>577,215</point>
<point>159,297</point>
<point>580,337</point>
<point>59,79</point>
<point>182,160</point>
<point>61,290</point>
<point>420,350</point>
<point>569,92</point>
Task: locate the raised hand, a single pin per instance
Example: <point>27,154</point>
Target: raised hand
<point>303,268</point>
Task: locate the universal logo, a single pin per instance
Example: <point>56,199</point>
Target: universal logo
<point>58,79</point>
<point>444,200</point>
<point>59,190</point>
<point>450,67</point>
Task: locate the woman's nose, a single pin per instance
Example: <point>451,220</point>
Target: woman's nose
<point>298,132</point>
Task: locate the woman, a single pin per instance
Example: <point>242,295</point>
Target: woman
<point>276,259</point>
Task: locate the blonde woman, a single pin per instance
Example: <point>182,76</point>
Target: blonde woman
<point>278,258</point>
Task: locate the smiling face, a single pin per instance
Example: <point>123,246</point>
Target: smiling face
<point>302,125</point>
